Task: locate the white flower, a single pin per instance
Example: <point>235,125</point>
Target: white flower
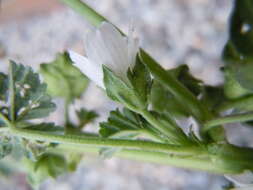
<point>244,181</point>
<point>106,46</point>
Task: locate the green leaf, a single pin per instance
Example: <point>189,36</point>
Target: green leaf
<point>141,80</point>
<point>55,164</point>
<point>85,116</point>
<point>118,122</point>
<point>163,101</point>
<point>241,23</point>
<point>122,125</point>
<point>128,124</point>
<point>33,149</point>
<point>5,146</point>
<point>230,54</point>
<point>232,87</point>
<point>244,76</point>
<point>238,50</point>
<point>49,165</point>
<point>182,74</point>
<point>73,160</point>
<point>27,95</point>
<point>120,91</point>
<point>3,86</point>
<point>63,79</point>
<point>177,89</point>
<point>46,127</point>
<point>213,96</point>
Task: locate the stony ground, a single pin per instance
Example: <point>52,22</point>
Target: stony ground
<point>174,31</point>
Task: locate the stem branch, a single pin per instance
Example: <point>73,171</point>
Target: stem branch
<point>228,119</point>
<point>82,8</point>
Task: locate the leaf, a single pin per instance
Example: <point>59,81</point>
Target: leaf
<point>182,74</point>
<point>238,50</point>
<point>46,127</point>
<point>163,101</point>
<point>213,96</point>
<point>85,116</point>
<point>241,31</point>
<point>5,146</point>
<point>63,79</point>
<point>121,92</point>
<point>244,76</point>
<point>73,161</point>
<point>3,86</point>
<point>122,125</point>
<point>232,87</point>
<point>27,94</point>
<point>141,80</point>
<point>177,89</point>
<point>49,165</point>
<point>118,122</point>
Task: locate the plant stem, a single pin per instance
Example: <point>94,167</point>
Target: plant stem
<point>82,8</point>
<point>153,157</point>
<point>228,119</point>
<point>101,142</point>
<point>240,103</point>
<point>11,88</point>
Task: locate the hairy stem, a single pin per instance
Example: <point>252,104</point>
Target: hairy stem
<point>11,88</point>
<point>154,157</point>
<point>82,8</point>
<point>101,142</point>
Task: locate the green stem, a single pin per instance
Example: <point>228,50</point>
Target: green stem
<point>240,103</point>
<point>154,157</point>
<point>101,142</point>
<point>11,88</point>
<point>66,113</point>
<point>228,119</point>
<point>82,8</point>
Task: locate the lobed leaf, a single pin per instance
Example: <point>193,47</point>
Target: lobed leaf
<point>85,116</point>
<point>27,94</point>
<point>63,79</point>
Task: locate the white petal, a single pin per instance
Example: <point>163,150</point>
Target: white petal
<point>116,46</point>
<point>95,49</point>
<point>91,70</point>
<point>133,46</point>
<point>243,179</point>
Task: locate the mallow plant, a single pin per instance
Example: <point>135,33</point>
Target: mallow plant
<point>147,126</point>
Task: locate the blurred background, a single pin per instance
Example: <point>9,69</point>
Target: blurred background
<point>173,31</point>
